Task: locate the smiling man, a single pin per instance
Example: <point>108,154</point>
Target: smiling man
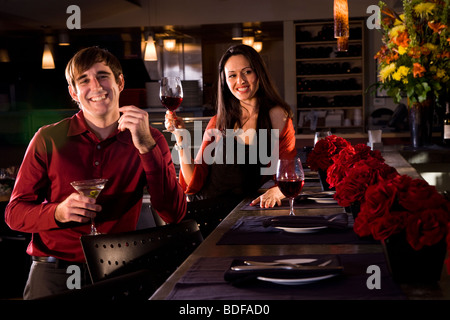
<point>103,140</point>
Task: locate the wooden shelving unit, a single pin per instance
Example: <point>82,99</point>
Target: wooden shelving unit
<point>330,84</point>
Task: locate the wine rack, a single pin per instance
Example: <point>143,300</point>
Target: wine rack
<point>330,84</point>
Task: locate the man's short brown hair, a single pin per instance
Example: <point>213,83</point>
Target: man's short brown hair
<point>86,58</point>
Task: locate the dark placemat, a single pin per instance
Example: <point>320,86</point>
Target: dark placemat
<point>250,230</point>
<point>205,281</point>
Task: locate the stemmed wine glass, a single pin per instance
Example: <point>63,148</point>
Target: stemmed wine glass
<point>321,135</point>
<point>90,188</point>
<point>171,93</point>
<point>290,179</point>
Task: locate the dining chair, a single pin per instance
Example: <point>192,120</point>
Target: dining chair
<point>210,212</point>
<point>159,250</point>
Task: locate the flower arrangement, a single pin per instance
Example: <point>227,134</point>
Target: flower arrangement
<point>390,203</point>
<point>364,173</point>
<point>415,56</point>
<point>404,204</point>
<point>324,150</point>
<point>343,161</point>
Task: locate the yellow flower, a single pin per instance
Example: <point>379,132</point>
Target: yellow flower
<point>424,8</point>
<point>396,30</point>
<point>396,76</point>
<point>431,47</point>
<point>401,72</point>
<point>398,22</point>
<point>401,50</point>
<point>440,73</point>
<point>386,72</point>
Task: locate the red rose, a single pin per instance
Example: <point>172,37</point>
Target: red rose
<point>363,151</point>
<point>347,158</point>
<point>363,174</point>
<point>321,156</point>
<point>341,163</point>
<point>426,228</point>
<point>379,199</point>
<point>420,196</point>
<point>387,225</point>
<point>353,187</point>
<point>361,225</point>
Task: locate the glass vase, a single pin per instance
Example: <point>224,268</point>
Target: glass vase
<point>421,122</point>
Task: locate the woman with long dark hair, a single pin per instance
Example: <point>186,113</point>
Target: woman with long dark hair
<point>249,112</point>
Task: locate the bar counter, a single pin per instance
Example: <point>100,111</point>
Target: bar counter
<point>212,248</point>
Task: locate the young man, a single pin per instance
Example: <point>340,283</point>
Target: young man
<point>102,140</point>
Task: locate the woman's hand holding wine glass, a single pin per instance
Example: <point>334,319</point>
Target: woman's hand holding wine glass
<point>171,96</point>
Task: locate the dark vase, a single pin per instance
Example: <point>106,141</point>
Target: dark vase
<point>355,208</point>
<point>407,265</point>
<point>421,122</point>
<point>323,180</point>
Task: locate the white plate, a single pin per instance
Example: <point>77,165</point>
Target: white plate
<point>302,230</point>
<point>296,261</point>
<point>321,193</point>
<point>323,200</point>
<point>296,281</point>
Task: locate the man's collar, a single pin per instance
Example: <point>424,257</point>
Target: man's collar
<point>78,126</point>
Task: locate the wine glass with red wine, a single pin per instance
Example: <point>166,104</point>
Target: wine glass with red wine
<point>290,179</point>
<point>171,93</point>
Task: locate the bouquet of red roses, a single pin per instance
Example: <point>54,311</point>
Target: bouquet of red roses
<point>404,204</point>
<point>364,173</point>
<point>321,157</point>
<point>344,161</point>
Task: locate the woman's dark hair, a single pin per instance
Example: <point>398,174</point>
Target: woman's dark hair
<point>86,58</point>
<point>228,106</point>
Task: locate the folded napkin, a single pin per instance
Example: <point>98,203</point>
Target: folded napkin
<point>239,276</point>
<point>337,221</point>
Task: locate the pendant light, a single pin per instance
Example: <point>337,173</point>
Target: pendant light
<point>47,58</point>
<point>341,27</point>
<point>170,44</point>
<point>258,45</point>
<point>150,50</point>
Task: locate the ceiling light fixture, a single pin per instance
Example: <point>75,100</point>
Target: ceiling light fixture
<point>248,40</point>
<point>4,56</point>
<point>258,45</point>
<point>150,50</point>
<point>341,27</point>
<point>47,58</point>
<point>236,32</point>
<point>63,38</point>
<point>170,44</point>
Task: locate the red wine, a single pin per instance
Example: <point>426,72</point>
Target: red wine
<point>171,103</point>
<point>291,188</point>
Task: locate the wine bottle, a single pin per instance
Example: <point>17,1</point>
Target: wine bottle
<point>447,125</point>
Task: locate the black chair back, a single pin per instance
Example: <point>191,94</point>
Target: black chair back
<point>209,213</point>
<point>160,250</point>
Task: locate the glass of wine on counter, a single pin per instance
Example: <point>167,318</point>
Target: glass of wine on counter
<point>290,179</point>
<point>171,93</point>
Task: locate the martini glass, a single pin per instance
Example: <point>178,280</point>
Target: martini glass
<point>90,188</point>
<point>290,179</point>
